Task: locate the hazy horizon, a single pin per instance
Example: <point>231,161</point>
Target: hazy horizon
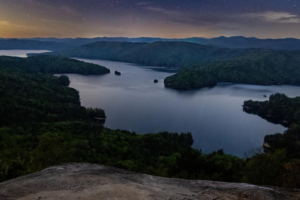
<point>145,37</point>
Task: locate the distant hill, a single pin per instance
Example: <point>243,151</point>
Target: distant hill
<point>169,54</point>
<point>262,67</point>
<point>83,41</point>
<point>243,42</point>
<point>226,42</point>
<point>23,44</point>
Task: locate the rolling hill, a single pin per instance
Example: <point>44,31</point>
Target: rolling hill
<point>263,67</point>
<point>24,44</point>
<point>169,54</point>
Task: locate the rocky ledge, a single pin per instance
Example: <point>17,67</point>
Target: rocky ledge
<point>94,182</point>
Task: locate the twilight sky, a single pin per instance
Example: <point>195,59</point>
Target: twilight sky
<point>149,18</point>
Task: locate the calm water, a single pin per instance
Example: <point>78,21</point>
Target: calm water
<point>213,115</point>
<point>19,53</point>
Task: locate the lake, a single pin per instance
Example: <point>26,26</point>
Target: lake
<point>20,53</point>
<point>214,116</point>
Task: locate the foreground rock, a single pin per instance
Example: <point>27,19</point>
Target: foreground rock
<point>94,182</point>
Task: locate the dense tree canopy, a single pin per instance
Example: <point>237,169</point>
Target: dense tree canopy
<point>64,80</point>
<point>42,124</point>
<point>264,67</point>
<point>283,150</point>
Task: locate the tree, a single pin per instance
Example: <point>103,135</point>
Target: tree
<point>64,80</point>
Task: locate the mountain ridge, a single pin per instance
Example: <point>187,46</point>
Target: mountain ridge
<point>239,42</point>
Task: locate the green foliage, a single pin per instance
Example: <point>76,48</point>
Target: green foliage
<point>280,165</point>
<point>27,98</point>
<point>43,124</point>
<point>284,110</point>
<point>278,107</point>
<point>290,177</point>
<point>264,169</point>
<point>261,67</point>
<point>64,80</point>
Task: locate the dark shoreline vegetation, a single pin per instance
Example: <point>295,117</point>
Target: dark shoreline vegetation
<point>264,67</point>
<point>282,109</point>
<point>43,124</point>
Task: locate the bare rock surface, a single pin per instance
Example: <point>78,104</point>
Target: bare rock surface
<point>79,181</point>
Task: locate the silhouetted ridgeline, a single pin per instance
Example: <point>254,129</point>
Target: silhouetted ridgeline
<point>262,67</point>
<point>224,42</point>
<point>25,44</point>
<point>168,54</point>
<point>252,42</point>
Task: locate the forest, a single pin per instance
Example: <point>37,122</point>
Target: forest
<point>165,54</point>
<point>43,124</point>
<point>282,108</point>
<point>266,67</point>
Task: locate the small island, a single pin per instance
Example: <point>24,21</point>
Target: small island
<point>117,73</point>
<point>155,81</point>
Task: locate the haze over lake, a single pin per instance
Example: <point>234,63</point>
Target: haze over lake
<point>214,116</point>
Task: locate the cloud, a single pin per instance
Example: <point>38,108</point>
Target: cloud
<point>275,17</point>
<point>4,23</point>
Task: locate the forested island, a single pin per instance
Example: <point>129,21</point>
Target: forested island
<point>43,124</point>
<point>263,67</point>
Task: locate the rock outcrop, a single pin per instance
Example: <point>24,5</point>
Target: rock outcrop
<point>94,182</point>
